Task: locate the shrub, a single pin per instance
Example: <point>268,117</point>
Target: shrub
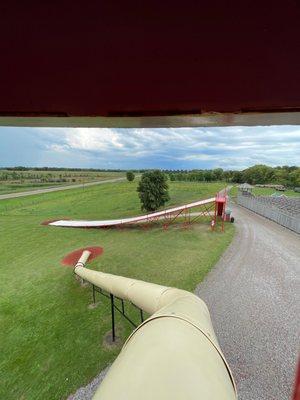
<point>130,176</point>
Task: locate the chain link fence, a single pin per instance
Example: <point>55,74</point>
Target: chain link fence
<point>284,211</point>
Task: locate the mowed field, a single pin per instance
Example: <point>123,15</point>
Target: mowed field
<point>22,181</point>
<point>51,340</point>
<point>258,191</point>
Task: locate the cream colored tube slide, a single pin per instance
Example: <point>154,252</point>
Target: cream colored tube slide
<point>173,355</point>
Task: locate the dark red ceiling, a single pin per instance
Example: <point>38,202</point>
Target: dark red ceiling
<point>110,58</point>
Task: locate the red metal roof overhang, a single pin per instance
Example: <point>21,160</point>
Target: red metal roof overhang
<point>166,63</point>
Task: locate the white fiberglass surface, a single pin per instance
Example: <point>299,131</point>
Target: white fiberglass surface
<point>110,222</point>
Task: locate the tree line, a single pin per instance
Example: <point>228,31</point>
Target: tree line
<point>21,168</point>
<point>288,176</point>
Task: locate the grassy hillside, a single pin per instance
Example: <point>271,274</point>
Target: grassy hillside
<point>51,341</point>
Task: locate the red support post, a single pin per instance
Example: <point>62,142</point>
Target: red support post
<point>220,205</point>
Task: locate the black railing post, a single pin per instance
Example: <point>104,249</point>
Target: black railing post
<point>94,298</point>
<point>112,317</point>
<point>142,315</point>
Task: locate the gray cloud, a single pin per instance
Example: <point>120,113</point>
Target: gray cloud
<point>177,148</point>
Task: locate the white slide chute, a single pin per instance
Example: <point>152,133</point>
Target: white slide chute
<point>131,220</point>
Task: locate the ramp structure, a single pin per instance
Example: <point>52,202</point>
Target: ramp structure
<point>207,207</point>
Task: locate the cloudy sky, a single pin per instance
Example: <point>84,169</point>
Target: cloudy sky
<point>168,148</point>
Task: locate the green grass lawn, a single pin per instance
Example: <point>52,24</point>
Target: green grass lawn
<point>257,191</point>
<point>51,341</point>
<point>6,188</point>
<point>71,178</point>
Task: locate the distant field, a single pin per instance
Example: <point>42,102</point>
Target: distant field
<point>21,181</point>
<point>257,191</point>
<point>51,342</point>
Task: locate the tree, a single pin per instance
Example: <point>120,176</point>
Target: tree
<point>218,174</point>
<point>153,190</point>
<point>227,175</point>
<point>130,176</point>
<point>258,174</point>
<point>294,178</point>
<point>237,177</point>
<point>208,175</point>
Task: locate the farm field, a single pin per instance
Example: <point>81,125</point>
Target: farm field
<point>21,181</point>
<point>51,341</point>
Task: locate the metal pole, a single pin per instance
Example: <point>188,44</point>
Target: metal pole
<point>94,298</point>
<point>142,315</point>
<point>112,317</point>
<point>215,216</point>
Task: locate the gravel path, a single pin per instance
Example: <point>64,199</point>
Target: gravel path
<point>87,392</point>
<point>56,188</point>
<point>253,297</point>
